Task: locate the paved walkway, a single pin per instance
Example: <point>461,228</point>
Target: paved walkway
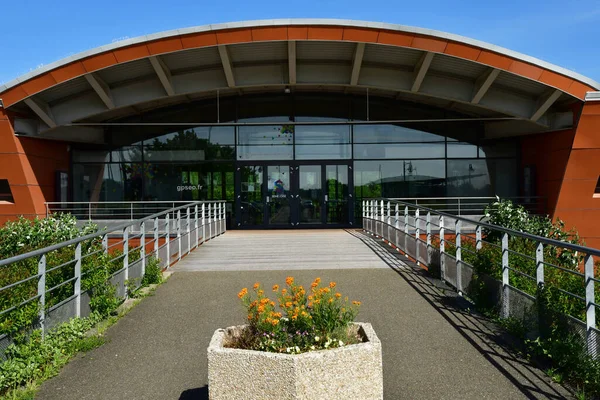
<point>433,348</point>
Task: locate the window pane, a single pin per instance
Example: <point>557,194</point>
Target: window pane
<point>503,149</point>
<point>399,150</point>
<point>469,178</point>
<point>461,150</point>
<point>266,135</point>
<point>126,154</point>
<point>401,178</point>
<point>322,152</point>
<point>391,134</point>
<point>90,156</point>
<point>325,134</point>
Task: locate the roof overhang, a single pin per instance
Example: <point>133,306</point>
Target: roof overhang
<point>334,55</point>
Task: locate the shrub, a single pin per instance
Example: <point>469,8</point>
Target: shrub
<point>315,320</point>
<point>153,273</point>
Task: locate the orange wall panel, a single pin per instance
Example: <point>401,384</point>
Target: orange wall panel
<point>99,61</point>
<point>558,81</point>
<point>162,46</point>
<point>234,36</point>
<point>579,164</point>
<point>325,33</point>
<point>494,60</point>
<point>67,72</point>
<point>38,83</point>
<point>579,90</point>
<point>196,40</point>
<point>525,69</point>
<point>269,33</point>
<point>360,35</point>
<point>297,33</point>
<point>13,95</point>
<point>462,51</point>
<point>131,53</point>
<point>395,38</point>
<point>588,132</point>
<point>429,44</point>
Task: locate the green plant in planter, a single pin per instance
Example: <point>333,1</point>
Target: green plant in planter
<point>314,320</point>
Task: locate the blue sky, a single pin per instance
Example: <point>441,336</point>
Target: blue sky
<point>34,33</point>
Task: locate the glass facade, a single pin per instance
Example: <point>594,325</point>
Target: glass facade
<point>157,161</point>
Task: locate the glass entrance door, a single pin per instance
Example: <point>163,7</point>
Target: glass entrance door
<point>294,195</point>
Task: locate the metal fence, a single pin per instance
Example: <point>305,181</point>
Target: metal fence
<point>448,244</point>
<point>474,205</point>
<point>160,235</point>
<point>99,210</point>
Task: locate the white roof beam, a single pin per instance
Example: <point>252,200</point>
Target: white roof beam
<point>163,73</point>
<point>227,68</point>
<point>483,84</point>
<point>42,110</point>
<point>421,70</point>
<point>101,89</point>
<point>358,57</point>
<point>292,61</point>
<point>544,103</point>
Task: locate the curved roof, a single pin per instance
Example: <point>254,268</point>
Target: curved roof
<point>295,52</point>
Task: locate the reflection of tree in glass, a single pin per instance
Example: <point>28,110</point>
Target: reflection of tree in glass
<point>188,140</point>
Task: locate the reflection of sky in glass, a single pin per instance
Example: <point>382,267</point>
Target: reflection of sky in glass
<point>367,172</point>
<point>214,134</point>
<point>391,133</point>
<point>326,134</point>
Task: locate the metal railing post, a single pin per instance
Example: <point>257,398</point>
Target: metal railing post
<point>168,240</point>
<point>209,222</point>
<point>428,233</point>
<point>364,211</point>
<point>77,286</point>
<point>196,225</point>
<point>417,236</point>
<point>505,277</point>
<point>382,215</point>
<point>459,286</point>
<point>155,231</point>
<point>189,232</point>
<point>539,262</point>
<point>203,223</point>
<point>396,224</point>
<point>406,231</point>
<point>590,306</point>
<point>90,211</point>
<point>105,243</point>
<point>221,219</point>
<point>131,210</point>
<point>389,212</point>
<point>178,235</point>
<point>442,249</point>
<point>126,254</point>
<point>41,291</point>
<point>143,247</point>
<point>478,239</point>
<point>459,206</point>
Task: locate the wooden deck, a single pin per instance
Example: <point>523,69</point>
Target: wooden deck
<point>282,250</point>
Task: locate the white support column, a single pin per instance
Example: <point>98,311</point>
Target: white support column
<point>382,208</point>
<point>505,278</point>
<point>539,262</point>
<point>478,238</point>
<point>421,70</point>
<point>41,291</point>
<point>292,61</point>
<point>590,307</point>
<point>428,232</point>
<point>459,286</point>
<point>406,216</point>
<point>227,67</point>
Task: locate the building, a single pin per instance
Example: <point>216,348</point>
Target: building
<point>295,121</point>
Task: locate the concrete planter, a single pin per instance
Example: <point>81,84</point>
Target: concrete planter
<point>349,372</point>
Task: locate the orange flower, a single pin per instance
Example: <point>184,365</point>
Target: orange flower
<point>294,317</point>
<point>243,292</point>
<point>338,295</point>
<point>310,297</point>
<point>272,304</point>
<point>275,322</point>
<point>261,292</point>
<point>318,280</point>
<point>356,303</point>
<point>288,304</point>
<point>275,288</point>
<point>261,309</point>
<point>331,300</point>
<point>289,281</point>
<point>283,291</point>
<point>309,304</point>
<point>326,290</point>
<point>249,317</point>
<point>256,285</point>
<point>314,285</point>
<point>332,284</point>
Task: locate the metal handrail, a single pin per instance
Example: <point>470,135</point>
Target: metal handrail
<point>552,242</point>
<point>380,218</point>
<point>200,221</point>
<point>121,226</point>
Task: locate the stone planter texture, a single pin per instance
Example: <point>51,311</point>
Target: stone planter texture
<point>349,372</point>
